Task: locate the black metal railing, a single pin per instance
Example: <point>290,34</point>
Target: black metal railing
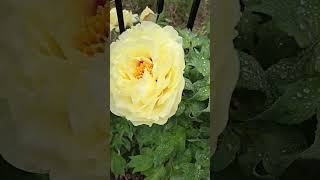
<point>160,6</point>
<point>120,15</point>
<point>193,13</point>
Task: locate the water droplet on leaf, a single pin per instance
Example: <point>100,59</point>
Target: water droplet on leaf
<point>306,90</point>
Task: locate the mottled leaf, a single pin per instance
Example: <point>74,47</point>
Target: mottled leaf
<point>227,150</point>
<point>297,104</point>
<point>141,162</point>
<point>300,19</point>
<point>118,164</point>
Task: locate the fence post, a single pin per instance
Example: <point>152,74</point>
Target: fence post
<point>120,15</point>
<point>193,13</point>
<point>160,5</point>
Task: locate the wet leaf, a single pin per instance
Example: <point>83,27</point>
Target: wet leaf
<point>301,19</point>
<point>297,104</point>
<point>227,149</point>
<point>118,164</point>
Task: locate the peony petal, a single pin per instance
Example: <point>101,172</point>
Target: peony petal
<point>154,97</point>
<point>148,15</point>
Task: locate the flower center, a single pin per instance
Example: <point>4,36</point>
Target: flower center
<point>142,64</point>
<point>94,33</point>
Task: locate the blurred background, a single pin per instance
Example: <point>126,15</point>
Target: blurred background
<point>175,13</point>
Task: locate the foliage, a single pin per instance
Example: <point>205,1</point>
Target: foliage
<point>277,94</point>
<point>180,148</point>
<point>175,12</point>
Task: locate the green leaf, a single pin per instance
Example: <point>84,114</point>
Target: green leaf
<point>184,157</point>
<point>298,103</point>
<point>118,164</point>
<point>146,135</point>
<point>177,177</point>
<point>203,157</point>
<point>248,104</point>
<point>314,151</point>
<point>192,171</point>
<point>248,162</point>
<point>193,74</point>
<point>273,44</point>
<point>163,152</point>
<point>181,108</point>
<point>277,165</point>
<point>187,37</point>
<point>252,76</point>
<point>202,94</point>
<point>208,107</point>
<point>141,163</point>
<point>227,150</point>
<point>188,85</point>
<point>201,61</point>
<point>273,145</point>
<point>195,109</point>
<point>247,27</point>
<point>204,82</point>
<point>191,40</point>
<point>290,70</point>
<point>301,18</point>
<point>313,66</point>
<point>179,138</point>
<point>194,163</point>
<point>284,72</point>
<point>122,133</point>
<point>156,174</point>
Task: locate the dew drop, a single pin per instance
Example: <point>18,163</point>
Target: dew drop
<point>283,75</point>
<point>306,90</point>
<point>246,69</point>
<point>302,27</point>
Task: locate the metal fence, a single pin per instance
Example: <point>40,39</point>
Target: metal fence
<point>160,5</point>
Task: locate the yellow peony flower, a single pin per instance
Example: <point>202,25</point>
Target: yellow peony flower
<point>54,115</point>
<point>128,19</point>
<point>148,15</point>
<point>146,74</point>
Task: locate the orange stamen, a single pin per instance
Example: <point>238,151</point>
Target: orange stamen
<point>140,67</point>
<point>94,33</point>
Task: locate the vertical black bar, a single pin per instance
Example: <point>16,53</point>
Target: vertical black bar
<point>193,13</point>
<point>160,5</point>
<point>120,15</point>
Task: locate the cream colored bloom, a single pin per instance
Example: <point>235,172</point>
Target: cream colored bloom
<point>128,19</point>
<point>146,74</point>
<point>148,15</point>
<point>55,121</point>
